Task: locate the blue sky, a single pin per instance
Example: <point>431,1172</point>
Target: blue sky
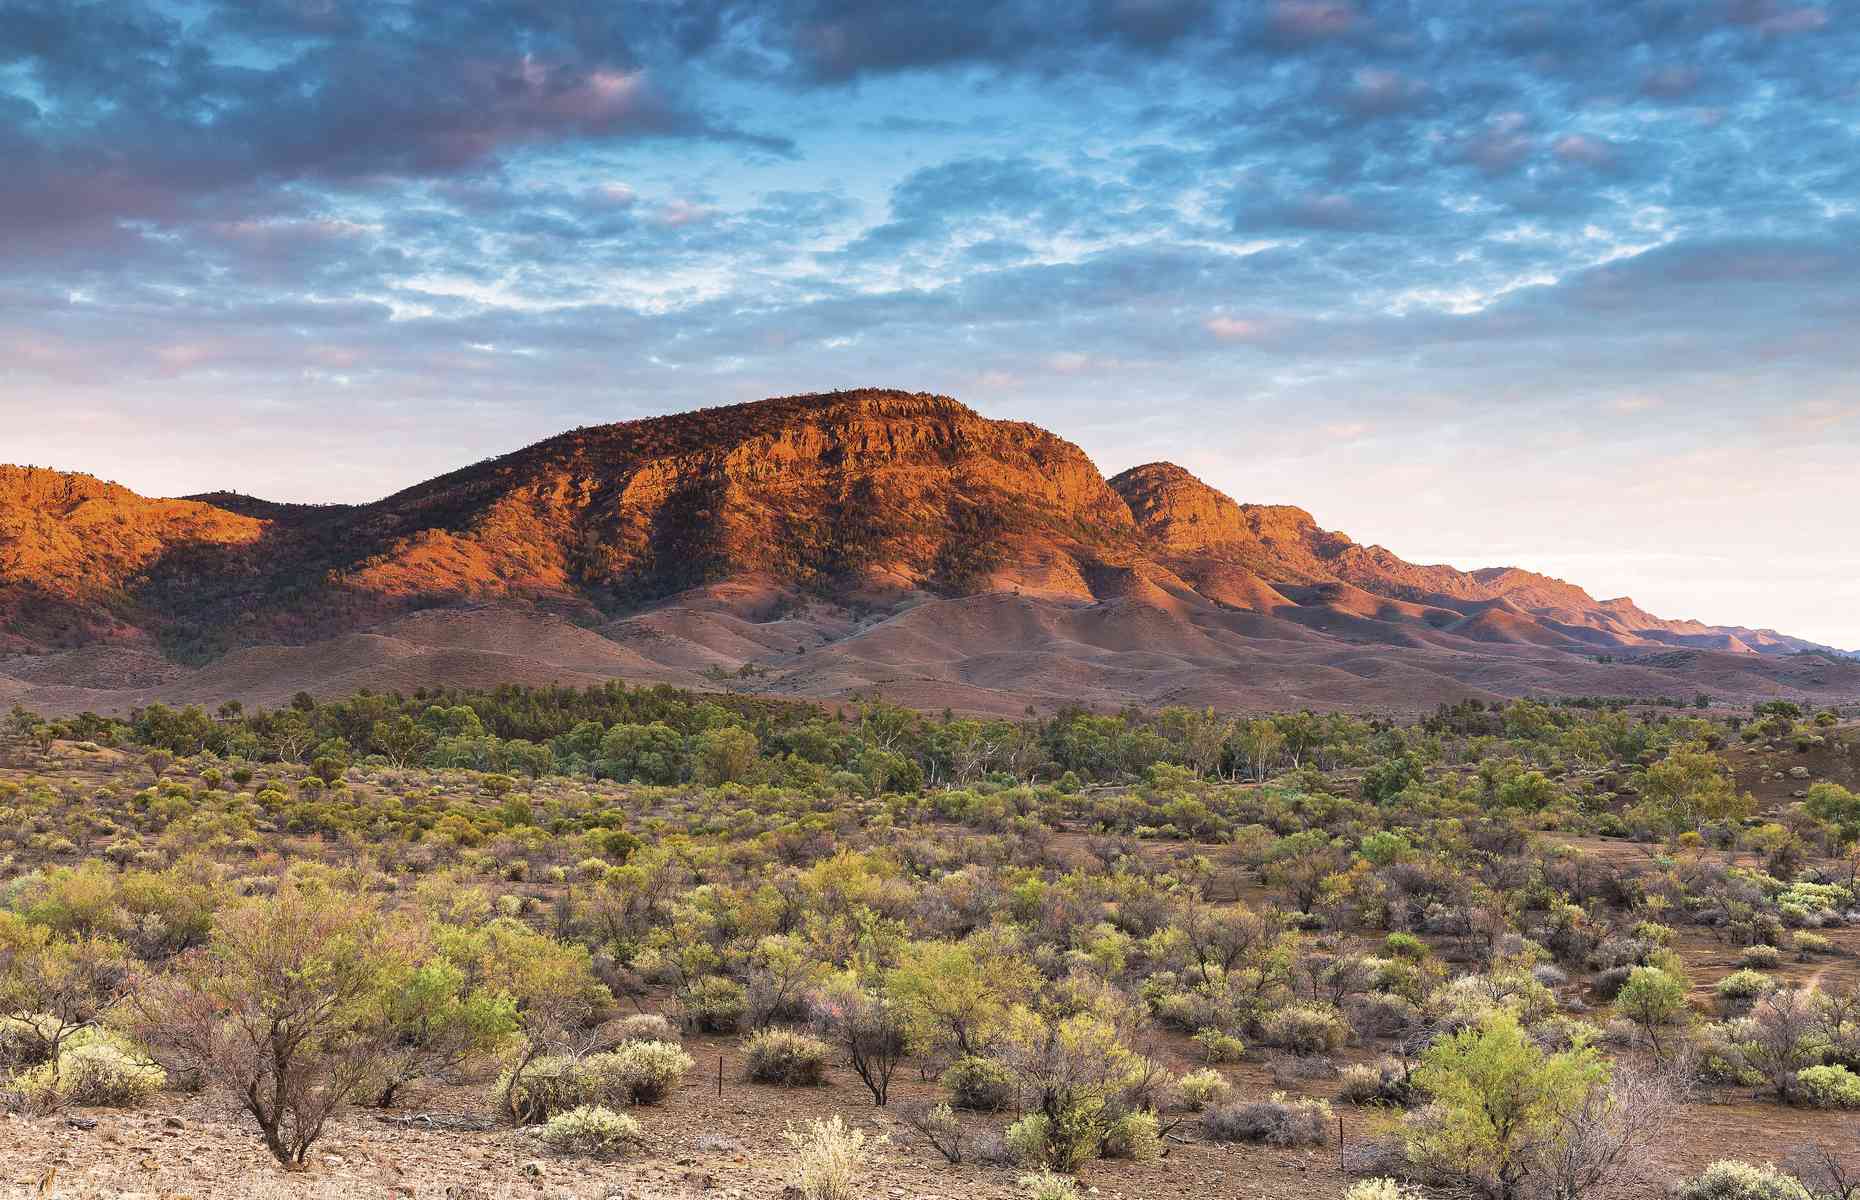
<point>1569,285</point>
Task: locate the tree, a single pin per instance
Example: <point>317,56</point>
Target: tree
<point>278,1009</point>
<point>433,1021</point>
<point>724,755</point>
<point>1603,1145</point>
<point>1260,743</point>
<point>1655,1000</point>
<point>1070,1068</point>
<point>867,1026</point>
<point>1504,1104</point>
<point>56,984</point>
<point>956,995</point>
<point>1690,787</point>
<point>403,741</point>
<point>652,753</point>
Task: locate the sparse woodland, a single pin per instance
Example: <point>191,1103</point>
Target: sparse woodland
<point>1525,951</point>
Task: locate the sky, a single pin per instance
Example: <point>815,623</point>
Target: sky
<point>1571,286</point>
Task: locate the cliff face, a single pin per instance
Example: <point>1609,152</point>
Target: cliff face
<point>875,494</point>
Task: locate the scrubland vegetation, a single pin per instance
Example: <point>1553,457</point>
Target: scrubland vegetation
<point>1516,944</point>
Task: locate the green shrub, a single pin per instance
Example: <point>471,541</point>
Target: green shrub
<point>547,1086</point>
<point>1135,1136</point>
<point>1220,1047</point>
<point>1744,985</point>
<point>638,1072</point>
<point>591,1129</point>
<point>94,1070</point>
<point>979,1084</point>
<point>789,1059</point>
<point>1305,1029</point>
<point>1379,1189</point>
<point>1829,1086</point>
<point>714,1004</point>
<point>1203,1088</point>
<point>1045,1185</point>
<point>1028,1138</point>
<point>1760,957</point>
<point>1731,1180</point>
<point>1807,943</point>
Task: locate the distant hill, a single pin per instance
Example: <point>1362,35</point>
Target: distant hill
<point>816,546</point>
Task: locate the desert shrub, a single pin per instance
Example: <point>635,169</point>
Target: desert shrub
<point>638,1072</point>
<point>1045,1185</point>
<point>591,1129</point>
<point>1608,984</point>
<point>829,1158</point>
<point>1135,1136</point>
<point>1200,1089</point>
<point>1743,985</point>
<point>1760,957</point>
<point>1405,946</point>
<point>979,1084</point>
<point>1502,1105</point>
<point>1387,1082</point>
<point>1028,1138</point>
<point>939,1125</point>
<point>1384,1014</point>
<point>275,1010</point>
<point>1304,1029</point>
<point>1829,1086</point>
<point>1732,1180</point>
<point>545,1087</point>
<point>646,1027</point>
<point>1807,943</point>
<point>1380,1189</point>
<point>1219,1047</point>
<point>94,1070</point>
<point>714,1004</point>
<point>1277,1121</point>
<point>790,1059</point>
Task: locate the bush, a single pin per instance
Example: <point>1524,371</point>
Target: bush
<point>1760,956</point>
<point>591,1129</point>
<point>1203,1088</point>
<point>1220,1047</point>
<point>1136,1136</point>
<point>714,1004</point>
<point>1279,1121</point>
<point>1379,1189</point>
<point>647,1027</point>
<point>1305,1029</point>
<point>546,1087</point>
<point>829,1157</point>
<point>1829,1086</point>
<point>979,1084</point>
<point>639,1072</point>
<point>1044,1185</point>
<point>1384,1083</point>
<point>790,1059</point>
<point>93,1071</point>
<point>1806,943</point>
<point>1743,985</point>
<point>1731,1180</point>
<point>1028,1138</point>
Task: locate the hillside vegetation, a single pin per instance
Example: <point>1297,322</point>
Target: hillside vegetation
<point>1528,950</point>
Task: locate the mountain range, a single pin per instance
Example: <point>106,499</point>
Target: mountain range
<point>811,546</point>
